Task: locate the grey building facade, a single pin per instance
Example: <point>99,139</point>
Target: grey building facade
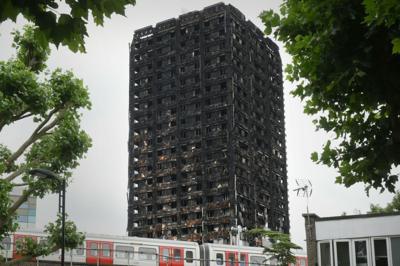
<point>207,139</point>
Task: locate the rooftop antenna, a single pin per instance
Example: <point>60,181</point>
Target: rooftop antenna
<point>304,189</point>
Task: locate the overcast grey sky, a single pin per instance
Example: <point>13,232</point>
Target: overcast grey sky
<point>96,200</point>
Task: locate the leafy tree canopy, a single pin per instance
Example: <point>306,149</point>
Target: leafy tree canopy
<point>393,206</point>
<point>346,64</point>
<point>29,248</point>
<point>57,27</point>
<point>53,101</point>
<point>281,247</point>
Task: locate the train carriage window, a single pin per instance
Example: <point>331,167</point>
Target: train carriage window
<point>220,259</point>
<point>257,260</point>
<point>123,252</point>
<point>165,254</point>
<point>177,254</point>
<point>231,259</point>
<point>242,261</point>
<point>189,256</point>
<point>106,250</point>
<point>147,253</point>
<point>6,243</point>
<point>79,250</point>
<point>93,249</point>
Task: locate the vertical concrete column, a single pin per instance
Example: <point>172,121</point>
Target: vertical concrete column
<point>309,221</point>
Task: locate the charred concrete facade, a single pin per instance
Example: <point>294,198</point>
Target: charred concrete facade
<point>207,139</point>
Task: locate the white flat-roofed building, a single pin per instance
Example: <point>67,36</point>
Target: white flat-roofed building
<point>355,240</point>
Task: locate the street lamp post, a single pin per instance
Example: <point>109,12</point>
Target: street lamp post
<point>61,209</point>
<point>44,173</point>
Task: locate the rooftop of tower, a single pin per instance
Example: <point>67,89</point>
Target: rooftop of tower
<point>193,16</point>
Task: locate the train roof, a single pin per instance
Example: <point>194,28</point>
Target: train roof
<point>224,246</point>
<point>116,238</point>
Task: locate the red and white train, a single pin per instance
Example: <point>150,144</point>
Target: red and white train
<point>135,251</point>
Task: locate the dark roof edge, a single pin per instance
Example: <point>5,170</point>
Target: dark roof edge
<point>358,216</point>
<point>150,29</point>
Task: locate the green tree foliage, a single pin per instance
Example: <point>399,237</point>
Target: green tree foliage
<point>393,206</point>
<point>53,101</point>
<point>54,25</point>
<point>346,64</point>
<point>281,246</point>
<point>29,248</point>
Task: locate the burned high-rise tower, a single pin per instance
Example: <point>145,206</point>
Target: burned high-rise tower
<point>207,138</point>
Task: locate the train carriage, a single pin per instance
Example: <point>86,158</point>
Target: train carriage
<point>168,252</point>
<point>8,250</point>
<point>301,260</point>
<point>106,250</point>
<point>134,251</point>
<point>217,254</point>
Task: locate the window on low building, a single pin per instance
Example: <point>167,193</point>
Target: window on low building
<point>380,252</point>
<point>342,253</point>
<point>361,253</point>
<point>325,254</point>
<point>395,241</point>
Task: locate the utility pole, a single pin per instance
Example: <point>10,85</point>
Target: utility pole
<point>61,209</point>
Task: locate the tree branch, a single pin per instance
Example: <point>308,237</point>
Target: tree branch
<point>47,119</point>
<point>17,204</point>
<point>2,124</point>
<point>39,132</point>
<point>44,130</point>
<point>20,184</point>
<point>20,201</point>
<point>23,114</point>
<point>15,174</point>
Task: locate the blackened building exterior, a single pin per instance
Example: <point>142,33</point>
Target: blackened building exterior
<point>207,139</point>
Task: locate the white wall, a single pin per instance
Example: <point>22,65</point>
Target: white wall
<point>358,227</point>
